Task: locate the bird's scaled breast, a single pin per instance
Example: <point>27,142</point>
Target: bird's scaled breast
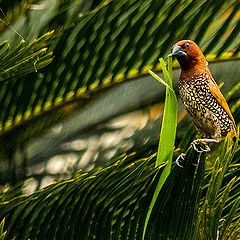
<point>194,92</point>
<point>203,107</point>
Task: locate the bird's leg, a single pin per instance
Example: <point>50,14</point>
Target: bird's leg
<point>197,146</point>
<point>201,145</point>
<point>180,159</point>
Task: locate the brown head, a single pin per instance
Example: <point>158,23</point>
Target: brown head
<point>189,55</point>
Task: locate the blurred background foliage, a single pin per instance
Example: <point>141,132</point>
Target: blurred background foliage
<point>96,99</point>
<point>80,95</point>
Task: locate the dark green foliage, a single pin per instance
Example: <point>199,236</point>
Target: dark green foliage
<point>98,44</point>
<point>95,51</point>
<point>112,203</point>
<point>96,204</point>
<point>176,206</point>
<point>22,60</point>
<point>2,232</point>
<point>10,11</point>
<point>14,64</point>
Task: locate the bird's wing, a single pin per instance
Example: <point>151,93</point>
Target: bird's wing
<point>219,97</point>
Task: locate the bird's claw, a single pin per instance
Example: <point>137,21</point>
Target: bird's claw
<point>198,148</point>
<point>201,145</point>
<point>180,159</point>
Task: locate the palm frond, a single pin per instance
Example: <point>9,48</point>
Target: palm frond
<point>2,232</point>
<point>107,196</point>
<point>112,202</point>
<point>22,59</point>
<point>18,62</point>
<point>96,52</point>
<point>11,11</point>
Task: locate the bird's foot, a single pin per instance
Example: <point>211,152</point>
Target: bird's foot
<point>201,145</point>
<point>180,160</point>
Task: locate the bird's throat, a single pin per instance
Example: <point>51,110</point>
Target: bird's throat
<point>186,63</point>
<point>192,67</point>
<point>194,71</point>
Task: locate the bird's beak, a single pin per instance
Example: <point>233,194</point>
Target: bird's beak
<point>177,51</point>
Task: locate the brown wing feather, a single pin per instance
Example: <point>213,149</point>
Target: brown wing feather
<point>220,98</point>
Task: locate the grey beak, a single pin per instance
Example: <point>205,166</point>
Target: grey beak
<point>177,51</point>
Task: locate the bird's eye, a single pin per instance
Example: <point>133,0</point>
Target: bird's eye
<point>187,45</point>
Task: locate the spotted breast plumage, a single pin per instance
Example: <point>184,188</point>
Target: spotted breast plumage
<point>200,94</point>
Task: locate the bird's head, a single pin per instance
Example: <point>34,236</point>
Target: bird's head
<point>188,54</point>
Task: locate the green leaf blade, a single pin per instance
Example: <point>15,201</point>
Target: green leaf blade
<point>168,131</point>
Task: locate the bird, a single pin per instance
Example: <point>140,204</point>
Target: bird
<point>201,95</point>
